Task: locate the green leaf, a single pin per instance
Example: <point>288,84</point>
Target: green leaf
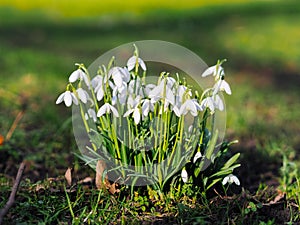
<point>225,171</point>
<point>231,161</point>
<point>213,183</point>
<point>212,144</point>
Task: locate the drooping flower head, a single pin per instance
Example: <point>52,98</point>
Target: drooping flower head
<point>68,98</point>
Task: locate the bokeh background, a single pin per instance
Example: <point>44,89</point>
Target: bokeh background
<point>40,41</point>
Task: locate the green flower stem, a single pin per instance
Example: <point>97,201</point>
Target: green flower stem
<point>129,134</point>
<point>87,128</point>
<point>205,93</point>
<point>177,139</point>
<point>91,89</point>
<point>115,139</point>
<point>160,154</point>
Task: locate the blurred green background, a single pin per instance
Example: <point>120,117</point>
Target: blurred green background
<point>40,41</point>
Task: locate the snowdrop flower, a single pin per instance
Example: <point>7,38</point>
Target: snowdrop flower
<point>189,105</point>
<point>136,114</point>
<point>98,85</point>
<point>231,179</point>
<point>216,70</point>
<point>133,108</point>
<point>96,81</point>
<point>68,97</point>
<point>222,85</point>
<point>91,113</point>
<point>83,95</point>
<point>197,156</point>
<point>155,93</point>
<point>79,75</point>
<point>170,81</point>
<point>134,86</point>
<point>184,175</point>
<point>133,102</point>
<point>147,106</point>
<point>133,61</point>
<point>148,88</point>
<point>208,102</point>
<point>181,91</point>
<point>162,92</point>
<point>213,102</point>
<point>119,93</point>
<point>119,75</point>
<point>218,103</point>
<point>107,108</point>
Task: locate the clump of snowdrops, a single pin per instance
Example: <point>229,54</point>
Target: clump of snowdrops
<point>160,134</point>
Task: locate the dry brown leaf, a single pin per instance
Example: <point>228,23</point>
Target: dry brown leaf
<point>277,199</point>
<point>40,187</point>
<point>86,180</point>
<point>100,167</point>
<point>68,176</point>
<point>112,188</point>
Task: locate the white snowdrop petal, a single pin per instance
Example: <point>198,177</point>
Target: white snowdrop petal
<point>176,111</point>
<point>231,179</point>
<point>236,180</point>
<point>183,110</point>
<point>180,91</point>
<point>82,96</point>
<point>131,63</point>
<point>197,156</point>
<point>114,100</point>
<point>142,64</point>
<point>170,82</point>
<point>74,76</point>
<point>148,88</point>
<point>192,106</point>
<point>184,176</point>
<point>146,107</point>
<point>155,92</point>
<point>170,96</point>
<point>100,94</point>
<point>84,77</point>
<point>197,105</point>
<point>114,111</point>
<point>128,112</point>
<point>92,114</point>
<point>122,98</point>
<point>219,103</point>
<point>126,74</point>
<point>194,113</point>
<point>97,81</point>
<point>220,71</point>
<point>217,87</point>
<point>136,115</point>
<point>225,86</point>
<point>74,99</point>
<point>225,180</point>
<point>60,98</point>
<point>118,80</point>
<point>102,110</point>
<point>208,102</point>
<point>68,98</point>
<point>209,71</point>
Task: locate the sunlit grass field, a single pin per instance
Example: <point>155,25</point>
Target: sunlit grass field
<point>40,43</point>
<point>90,8</point>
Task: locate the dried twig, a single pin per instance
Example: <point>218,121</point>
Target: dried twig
<point>14,125</point>
<point>11,199</point>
